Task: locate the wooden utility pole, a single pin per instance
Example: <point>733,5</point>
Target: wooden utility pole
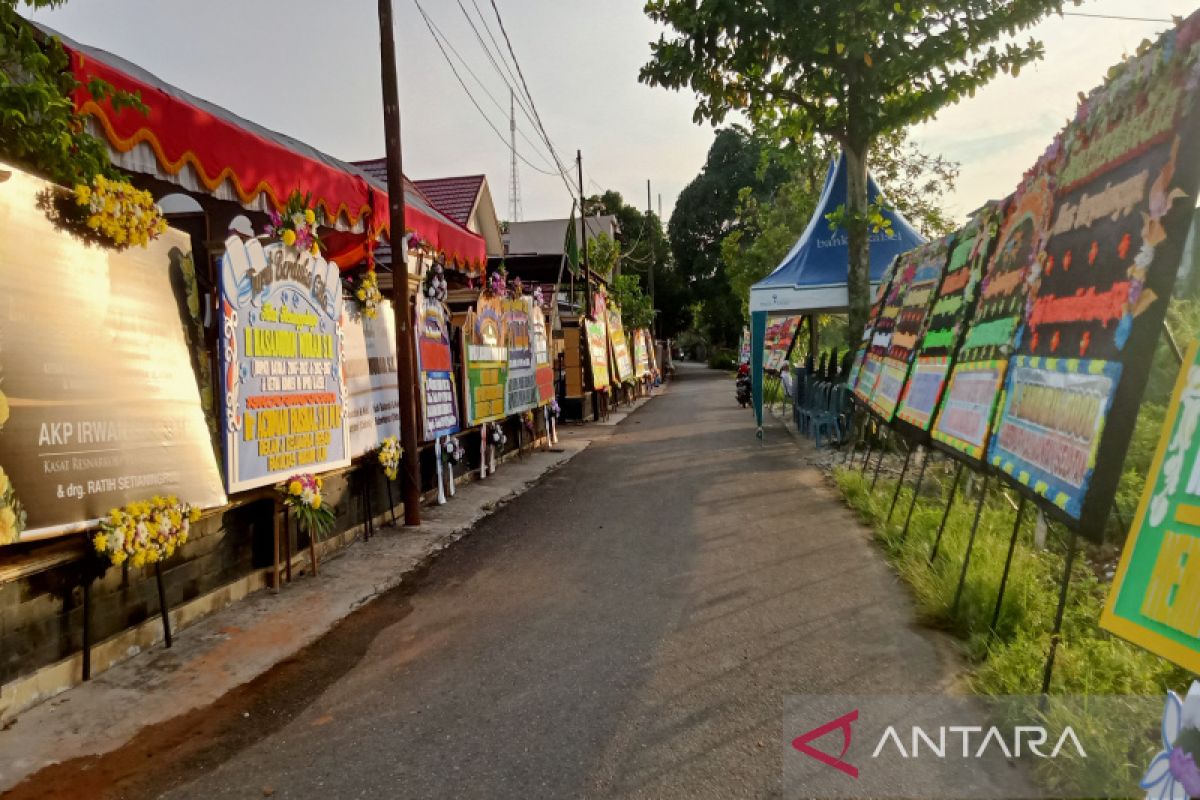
<point>650,267</point>
<point>587,268</point>
<point>411,485</point>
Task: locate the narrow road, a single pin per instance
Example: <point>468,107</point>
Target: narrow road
<point>628,628</point>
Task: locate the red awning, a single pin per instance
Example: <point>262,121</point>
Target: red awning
<point>233,157</point>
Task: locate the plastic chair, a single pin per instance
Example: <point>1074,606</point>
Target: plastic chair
<point>828,418</point>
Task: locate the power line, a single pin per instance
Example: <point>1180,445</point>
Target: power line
<point>1115,17</point>
<point>533,106</point>
<point>492,58</point>
<point>492,37</point>
<point>523,90</point>
<point>474,102</point>
<point>437,32</point>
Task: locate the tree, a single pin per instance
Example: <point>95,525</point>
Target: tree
<point>39,128</point>
<point>850,70</point>
<point>604,253</point>
<point>706,212</point>
<point>636,310</point>
<point>644,246</point>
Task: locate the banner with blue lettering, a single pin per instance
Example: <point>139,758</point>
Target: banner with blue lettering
<point>282,379</point>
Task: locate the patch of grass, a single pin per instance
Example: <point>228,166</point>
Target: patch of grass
<point>1089,661</point>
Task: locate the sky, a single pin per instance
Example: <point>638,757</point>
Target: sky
<point>311,70</point>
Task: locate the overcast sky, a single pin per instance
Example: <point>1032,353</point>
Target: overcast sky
<point>311,69</point>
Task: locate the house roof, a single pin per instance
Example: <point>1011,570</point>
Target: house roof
<point>549,236</point>
<point>455,197</point>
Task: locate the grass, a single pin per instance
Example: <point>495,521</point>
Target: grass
<point>1089,661</point>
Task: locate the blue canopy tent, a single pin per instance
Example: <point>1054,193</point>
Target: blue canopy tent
<point>811,278</point>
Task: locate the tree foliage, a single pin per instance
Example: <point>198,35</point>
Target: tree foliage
<point>603,254</point>
<point>38,125</point>
<point>644,247</point>
<point>739,166</point>
<point>849,70</point>
<point>636,309</point>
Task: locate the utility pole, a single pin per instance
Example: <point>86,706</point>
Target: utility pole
<point>587,267</point>
<point>411,485</point>
<point>650,268</point>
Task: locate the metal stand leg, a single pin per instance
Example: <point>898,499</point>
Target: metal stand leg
<point>870,446</point>
<point>364,490</point>
<point>916,494</point>
<point>852,425</point>
<point>312,551</point>
<point>899,483</point>
<point>163,611</point>
<point>483,448</point>
<point>369,514</point>
<point>87,630</point>
<point>275,561</point>
<point>437,467</point>
<point>879,465</point>
<point>287,544</point>
<point>946,515</point>
<point>962,576</point>
<point>1055,634</point>
<point>1012,546</point>
<point>391,503</point>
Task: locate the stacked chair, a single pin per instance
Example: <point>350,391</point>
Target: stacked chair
<point>821,407</point>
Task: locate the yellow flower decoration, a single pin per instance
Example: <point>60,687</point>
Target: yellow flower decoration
<point>289,237</point>
<point>8,526</point>
<point>295,488</point>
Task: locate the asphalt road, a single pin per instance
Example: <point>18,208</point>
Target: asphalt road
<point>630,627</point>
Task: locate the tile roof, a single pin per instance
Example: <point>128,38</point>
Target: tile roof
<point>454,197</point>
<point>376,168</point>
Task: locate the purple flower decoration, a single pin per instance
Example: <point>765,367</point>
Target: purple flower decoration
<point>496,283</point>
<point>1184,770</point>
<point>1172,774</point>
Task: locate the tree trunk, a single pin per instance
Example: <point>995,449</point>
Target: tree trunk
<point>858,279</point>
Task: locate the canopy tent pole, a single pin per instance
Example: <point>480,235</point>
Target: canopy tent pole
<point>758,335</point>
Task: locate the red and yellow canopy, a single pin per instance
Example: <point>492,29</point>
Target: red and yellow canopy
<point>203,147</point>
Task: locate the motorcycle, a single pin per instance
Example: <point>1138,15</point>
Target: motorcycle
<point>742,386</point>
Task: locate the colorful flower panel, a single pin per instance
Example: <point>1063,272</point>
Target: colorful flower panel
<point>867,377</point>
<point>1126,188</point>
<point>965,417</point>
<point>884,323</point>
<point>888,387</point>
<point>922,391</point>
<point>924,277</point>
<point>485,361</point>
<point>1050,426</point>
<point>948,318</point>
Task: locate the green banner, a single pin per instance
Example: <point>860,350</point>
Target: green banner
<point>1155,598</point>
